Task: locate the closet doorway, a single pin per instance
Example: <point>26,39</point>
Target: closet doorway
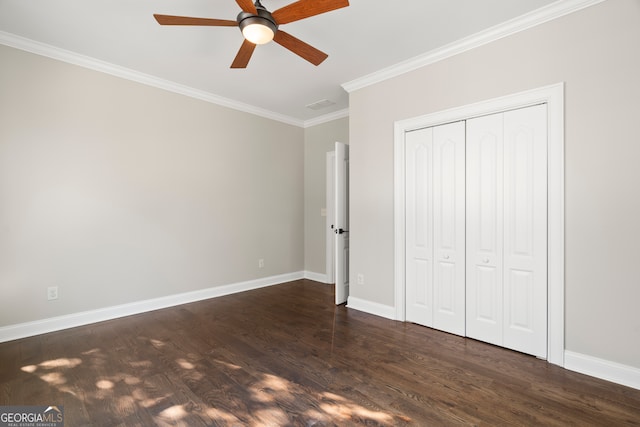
<point>479,222</point>
<point>476,227</point>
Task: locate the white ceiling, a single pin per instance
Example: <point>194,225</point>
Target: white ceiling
<point>361,39</point>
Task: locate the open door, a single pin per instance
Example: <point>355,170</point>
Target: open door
<point>330,236</point>
<point>341,227</point>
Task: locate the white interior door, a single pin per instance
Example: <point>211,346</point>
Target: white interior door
<point>485,179</point>
<point>507,229</point>
<point>330,219</point>
<point>525,230</point>
<point>449,228</point>
<point>435,210</point>
<point>341,227</point>
<point>419,230</point>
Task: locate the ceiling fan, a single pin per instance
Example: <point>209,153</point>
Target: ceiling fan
<point>259,26</point>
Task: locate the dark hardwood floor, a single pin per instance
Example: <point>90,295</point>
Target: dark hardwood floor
<point>285,355</point>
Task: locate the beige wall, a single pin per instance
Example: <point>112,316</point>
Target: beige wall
<point>595,52</point>
<point>118,192</point>
<point>318,140</point>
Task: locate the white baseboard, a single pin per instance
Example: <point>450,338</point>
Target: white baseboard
<point>317,277</point>
<point>611,371</point>
<point>23,330</point>
<point>372,307</point>
<point>599,368</point>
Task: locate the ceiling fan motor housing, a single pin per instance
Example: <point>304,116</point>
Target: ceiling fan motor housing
<point>262,18</point>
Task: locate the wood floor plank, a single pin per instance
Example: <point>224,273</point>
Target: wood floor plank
<point>286,355</point>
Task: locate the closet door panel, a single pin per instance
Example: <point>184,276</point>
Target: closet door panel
<point>484,228</point>
<point>525,229</point>
<point>449,227</point>
<point>419,226</point>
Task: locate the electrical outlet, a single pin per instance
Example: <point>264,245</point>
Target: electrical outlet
<point>261,263</point>
<point>360,279</point>
<point>52,293</point>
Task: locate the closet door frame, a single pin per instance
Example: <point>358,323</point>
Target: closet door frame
<point>553,96</point>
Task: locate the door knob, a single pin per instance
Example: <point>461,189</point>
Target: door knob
<point>446,257</point>
<point>486,260</point>
<point>341,231</point>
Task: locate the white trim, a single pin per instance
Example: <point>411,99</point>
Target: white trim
<point>553,96</point>
<point>316,277</point>
<point>370,307</point>
<point>603,369</point>
<point>539,16</point>
<point>22,330</point>
<point>63,55</point>
<point>327,118</point>
<point>399,223</point>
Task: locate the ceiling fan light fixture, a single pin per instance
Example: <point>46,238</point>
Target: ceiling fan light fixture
<point>258,30</point>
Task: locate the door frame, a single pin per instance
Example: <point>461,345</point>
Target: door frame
<point>553,96</point>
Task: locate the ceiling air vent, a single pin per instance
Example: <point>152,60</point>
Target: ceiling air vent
<point>319,105</point>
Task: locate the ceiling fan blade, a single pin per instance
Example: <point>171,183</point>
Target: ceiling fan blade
<point>306,8</point>
<point>299,47</point>
<point>186,20</point>
<point>247,6</point>
<point>244,55</point>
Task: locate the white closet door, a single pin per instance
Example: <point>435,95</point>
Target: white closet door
<point>449,228</point>
<point>419,226</point>
<point>507,229</point>
<point>525,230</point>
<point>435,227</point>
<point>484,228</point>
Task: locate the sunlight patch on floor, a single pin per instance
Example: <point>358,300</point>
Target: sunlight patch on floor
<point>104,384</point>
<point>131,380</point>
<point>156,343</point>
<point>54,378</point>
<point>280,392</point>
<point>275,383</point>
<point>61,363</point>
<point>270,417</point>
<point>174,412</point>
<point>228,365</point>
<point>222,416</point>
<point>348,410</point>
<point>127,405</point>
<point>145,400</point>
<point>137,385</point>
<point>185,364</point>
<point>141,364</point>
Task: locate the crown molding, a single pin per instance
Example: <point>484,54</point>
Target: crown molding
<point>67,56</point>
<point>327,118</point>
<point>539,16</point>
<point>536,17</point>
